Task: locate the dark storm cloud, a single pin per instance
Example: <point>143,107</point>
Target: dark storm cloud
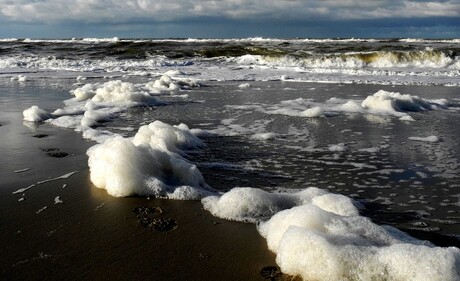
<point>230,18</point>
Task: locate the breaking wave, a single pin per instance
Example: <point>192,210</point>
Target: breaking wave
<point>365,61</point>
<point>377,59</point>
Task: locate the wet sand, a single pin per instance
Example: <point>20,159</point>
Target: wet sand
<point>66,229</point>
<point>93,236</point>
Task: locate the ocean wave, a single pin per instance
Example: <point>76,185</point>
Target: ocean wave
<point>240,50</point>
<point>74,40</point>
<point>113,39</point>
<point>234,40</point>
<point>364,61</point>
<point>8,39</point>
<point>34,63</point>
<point>329,40</point>
<point>418,40</point>
<point>378,59</point>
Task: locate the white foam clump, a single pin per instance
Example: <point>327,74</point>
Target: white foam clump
<point>96,103</point>
<point>319,244</point>
<point>425,139</point>
<point>148,164</point>
<point>252,204</point>
<point>392,103</point>
<point>19,78</point>
<point>340,147</point>
<point>370,149</point>
<point>381,103</point>
<point>263,136</point>
<point>85,92</point>
<point>245,86</point>
<point>115,92</point>
<point>316,111</point>
<point>167,83</point>
<point>318,235</point>
<point>35,114</point>
<point>406,118</point>
<point>93,117</point>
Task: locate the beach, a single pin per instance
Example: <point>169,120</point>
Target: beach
<point>91,235</point>
<point>166,175</point>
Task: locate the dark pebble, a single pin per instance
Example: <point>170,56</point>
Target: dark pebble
<point>57,154</point>
<point>39,136</point>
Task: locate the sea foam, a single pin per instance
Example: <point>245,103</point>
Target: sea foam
<point>317,244</point>
<point>315,234</point>
<point>425,139</point>
<point>167,83</point>
<point>94,104</point>
<point>148,164</point>
<point>35,114</point>
<point>321,236</point>
<point>252,204</point>
<point>381,103</point>
<point>392,103</point>
<point>114,92</point>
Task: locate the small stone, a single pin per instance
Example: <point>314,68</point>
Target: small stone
<point>39,136</point>
<point>57,154</point>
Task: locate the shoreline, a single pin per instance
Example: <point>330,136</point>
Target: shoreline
<point>91,235</point>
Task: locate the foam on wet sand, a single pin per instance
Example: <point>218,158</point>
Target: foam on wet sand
<point>317,244</point>
<point>35,114</point>
<point>321,236</point>
<point>381,103</point>
<point>314,234</point>
<point>149,164</point>
<point>94,104</point>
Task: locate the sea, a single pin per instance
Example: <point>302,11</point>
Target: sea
<point>343,153</point>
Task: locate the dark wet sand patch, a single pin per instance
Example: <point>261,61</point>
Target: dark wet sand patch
<point>148,219</point>
<point>55,152</point>
<point>273,273</point>
<point>40,136</point>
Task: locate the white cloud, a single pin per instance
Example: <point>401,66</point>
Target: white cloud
<point>166,10</point>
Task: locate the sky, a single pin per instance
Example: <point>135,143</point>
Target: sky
<point>229,18</point>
